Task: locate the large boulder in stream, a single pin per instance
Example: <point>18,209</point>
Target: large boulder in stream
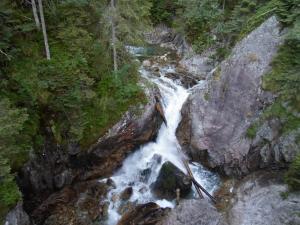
<point>216,116</point>
<point>169,179</point>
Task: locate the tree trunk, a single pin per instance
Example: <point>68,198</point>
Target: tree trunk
<point>44,29</point>
<point>35,15</point>
<point>113,32</point>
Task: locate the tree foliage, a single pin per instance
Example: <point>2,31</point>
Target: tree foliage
<point>75,94</point>
<point>292,177</point>
<point>163,11</point>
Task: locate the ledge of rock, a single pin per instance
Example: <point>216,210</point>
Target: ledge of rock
<point>146,214</point>
<point>258,199</point>
<point>194,212</point>
<point>216,116</point>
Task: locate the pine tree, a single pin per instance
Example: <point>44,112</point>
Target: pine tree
<point>128,20</point>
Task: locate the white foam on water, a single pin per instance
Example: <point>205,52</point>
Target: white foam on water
<point>147,156</point>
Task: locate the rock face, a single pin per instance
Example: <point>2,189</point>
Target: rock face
<point>168,38</point>
<point>146,214</point>
<point>57,167</point>
<point>17,216</point>
<point>169,179</point>
<point>82,203</point>
<point>216,116</point>
<point>258,200</point>
<point>185,79</point>
<point>194,212</point>
<point>126,194</point>
<point>197,65</point>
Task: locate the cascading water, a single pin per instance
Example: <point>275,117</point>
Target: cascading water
<point>141,168</point>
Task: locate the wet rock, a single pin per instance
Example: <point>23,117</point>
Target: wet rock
<point>126,194</point>
<point>185,79</point>
<point>146,214</point>
<point>17,216</point>
<point>84,203</point>
<point>145,175</point>
<point>215,118</point>
<point>169,179</point>
<point>110,182</point>
<point>259,199</point>
<point>126,207</point>
<point>143,189</point>
<point>156,159</point>
<point>194,212</point>
<point>155,69</point>
<point>152,166</point>
<point>147,63</point>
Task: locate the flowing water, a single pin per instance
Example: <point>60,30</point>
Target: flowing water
<point>141,168</point>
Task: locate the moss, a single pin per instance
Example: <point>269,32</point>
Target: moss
<point>284,195</point>
<point>9,195</point>
<point>252,57</point>
<point>217,74</point>
<point>206,96</point>
<point>263,11</point>
<point>292,176</point>
<point>252,130</point>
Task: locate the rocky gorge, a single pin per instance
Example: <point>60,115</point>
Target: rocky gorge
<point>62,186</point>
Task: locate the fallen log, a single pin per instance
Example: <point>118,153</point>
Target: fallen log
<point>203,189</point>
<point>185,162</point>
<point>198,186</point>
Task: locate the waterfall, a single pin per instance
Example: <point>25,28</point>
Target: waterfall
<point>151,156</point>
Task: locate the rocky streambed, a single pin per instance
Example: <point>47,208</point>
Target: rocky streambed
<point>155,170</point>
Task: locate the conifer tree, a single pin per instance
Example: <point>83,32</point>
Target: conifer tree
<point>128,20</point>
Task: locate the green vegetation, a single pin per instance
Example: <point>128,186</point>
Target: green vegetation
<point>75,94</point>
<point>163,11</point>
<point>292,177</point>
<point>284,79</point>
<point>220,24</point>
<point>13,147</point>
<point>252,130</point>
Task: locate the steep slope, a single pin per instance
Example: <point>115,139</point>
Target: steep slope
<point>216,117</point>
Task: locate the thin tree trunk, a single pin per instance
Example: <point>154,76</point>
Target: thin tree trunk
<point>44,29</point>
<point>113,32</point>
<point>224,5</point>
<point>35,15</point>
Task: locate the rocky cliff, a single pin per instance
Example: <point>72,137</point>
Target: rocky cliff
<point>46,178</point>
<point>217,114</point>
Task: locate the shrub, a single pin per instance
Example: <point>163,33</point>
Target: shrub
<point>292,177</point>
